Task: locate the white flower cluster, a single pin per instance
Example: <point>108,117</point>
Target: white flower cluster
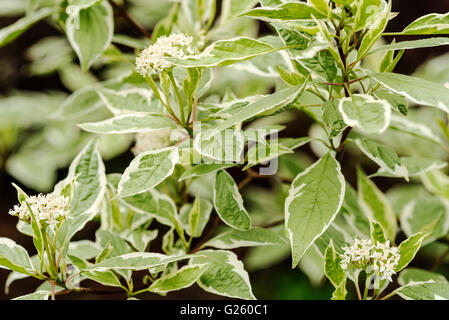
<point>364,255</point>
<point>153,140</point>
<point>47,208</point>
<point>153,59</point>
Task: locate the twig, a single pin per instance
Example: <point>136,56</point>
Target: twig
<point>206,238</point>
<point>122,11</point>
<point>440,260</point>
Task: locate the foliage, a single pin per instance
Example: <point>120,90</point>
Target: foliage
<point>202,97</point>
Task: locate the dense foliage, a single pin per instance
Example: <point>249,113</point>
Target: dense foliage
<point>202,97</point>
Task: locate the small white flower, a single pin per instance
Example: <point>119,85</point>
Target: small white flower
<point>157,139</point>
<point>153,59</point>
<point>364,255</point>
<point>47,208</point>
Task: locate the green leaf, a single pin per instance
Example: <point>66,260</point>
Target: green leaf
<point>384,156</point>
<point>419,91</point>
<point>147,170</point>
<point>223,146</point>
<point>426,290</point>
<point>13,31</point>
<point>229,203</point>
<point>266,103</point>
<point>130,100</point>
<point>365,113</point>
<point>414,44</point>
<point>180,279</point>
<point>204,169</point>
<point>90,186</point>
<point>418,275</point>
<point>415,166</point>
<point>315,197</point>
<point>286,11</point>
<point>225,275</point>
<point>367,12</point>
<point>414,128</point>
<point>90,30</point>
<point>399,103</point>
<point>376,205</point>
<point>38,295</point>
<point>195,217</point>
<point>322,64</point>
<point>225,52</point>
<point>136,261</point>
<point>232,8</point>
<point>408,249</point>
<point>106,278</point>
<point>129,123</point>
<point>14,257</point>
<point>254,237</point>
<point>374,32</point>
<point>377,233</point>
<point>261,153</point>
<point>428,214</point>
<point>436,182</point>
<point>332,267</point>
<point>332,117</point>
<point>433,24</point>
<point>79,105</point>
<point>340,292</point>
<point>84,249</point>
<point>321,5</point>
<point>140,239</point>
<point>153,204</point>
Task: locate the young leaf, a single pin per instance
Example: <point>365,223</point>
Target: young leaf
<point>180,279</point>
<point>419,91</point>
<point>374,32</point>
<point>225,275</point>
<point>129,123</point>
<point>195,217</point>
<point>229,203</point>
<point>377,233</point>
<point>90,31</point>
<point>366,113</point>
<point>315,197</point>
<point>367,11</point>
<point>254,237</point>
<point>147,170</point>
<point>376,205</point>
<point>332,267</point>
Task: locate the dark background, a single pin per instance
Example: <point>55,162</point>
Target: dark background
<point>279,282</point>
